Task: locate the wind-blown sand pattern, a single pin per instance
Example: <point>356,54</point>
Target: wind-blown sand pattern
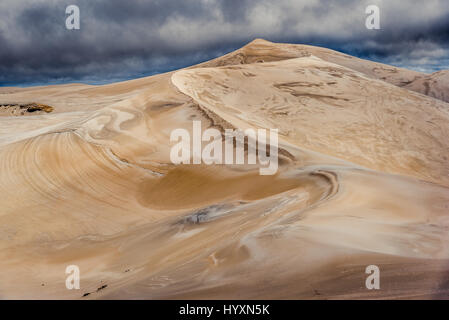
<point>363,179</point>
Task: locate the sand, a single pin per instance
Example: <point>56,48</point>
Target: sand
<point>363,179</point>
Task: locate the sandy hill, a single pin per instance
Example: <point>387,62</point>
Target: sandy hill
<point>261,50</point>
<point>363,179</point>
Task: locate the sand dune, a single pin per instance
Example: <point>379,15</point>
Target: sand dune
<point>435,85</point>
<point>363,179</point>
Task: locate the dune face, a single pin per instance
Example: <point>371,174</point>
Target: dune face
<point>330,109</point>
<point>363,180</point>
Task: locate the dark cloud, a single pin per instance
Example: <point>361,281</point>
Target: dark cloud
<point>125,39</point>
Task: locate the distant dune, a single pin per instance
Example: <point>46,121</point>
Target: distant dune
<point>363,180</point>
<point>434,85</point>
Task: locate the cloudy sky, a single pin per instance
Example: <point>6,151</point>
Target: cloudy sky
<point>121,39</point>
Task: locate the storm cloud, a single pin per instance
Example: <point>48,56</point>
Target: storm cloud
<point>126,39</point>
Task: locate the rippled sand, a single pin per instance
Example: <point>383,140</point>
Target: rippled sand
<point>363,179</point>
